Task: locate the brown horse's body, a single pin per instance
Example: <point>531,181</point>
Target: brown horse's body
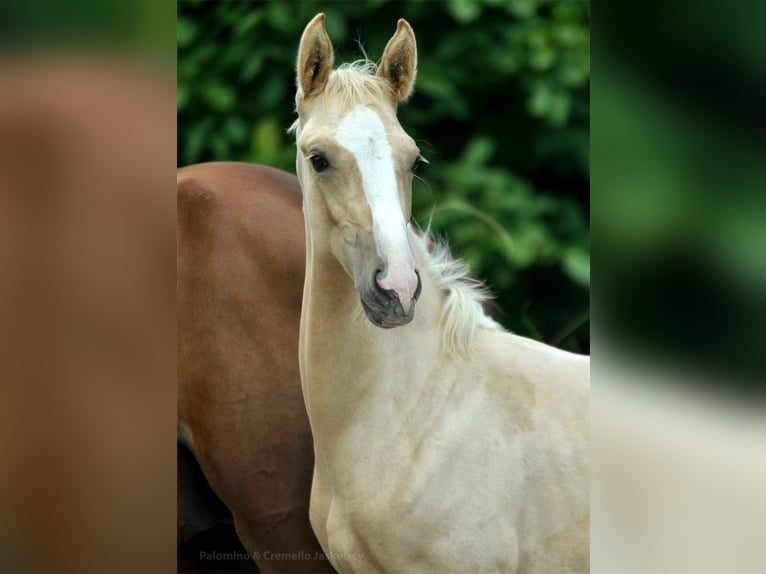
<point>241,262</point>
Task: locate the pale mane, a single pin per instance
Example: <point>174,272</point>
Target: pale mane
<point>462,312</point>
<point>357,81</point>
<point>350,83</point>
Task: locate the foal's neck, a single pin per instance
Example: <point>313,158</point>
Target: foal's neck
<point>348,365</point>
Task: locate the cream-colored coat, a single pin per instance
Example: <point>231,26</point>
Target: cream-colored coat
<point>445,444</point>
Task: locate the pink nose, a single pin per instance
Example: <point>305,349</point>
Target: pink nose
<point>404,282</point>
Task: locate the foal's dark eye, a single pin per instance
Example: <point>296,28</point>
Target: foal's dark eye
<point>319,162</point>
<point>420,160</point>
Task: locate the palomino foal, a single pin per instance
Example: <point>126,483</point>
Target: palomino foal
<point>445,444</point>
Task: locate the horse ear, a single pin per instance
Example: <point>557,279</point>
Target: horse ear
<point>315,57</point>
<point>400,60</point>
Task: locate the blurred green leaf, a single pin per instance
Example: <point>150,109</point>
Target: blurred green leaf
<point>464,11</point>
<point>248,23</point>
<point>219,96</point>
<point>186,30</point>
<point>267,137</point>
<point>577,265</point>
<point>522,8</point>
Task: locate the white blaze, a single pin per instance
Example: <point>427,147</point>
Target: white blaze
<point>362,133</point>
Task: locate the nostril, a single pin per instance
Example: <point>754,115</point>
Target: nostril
<point>419,287</point>
<point>376,278</point>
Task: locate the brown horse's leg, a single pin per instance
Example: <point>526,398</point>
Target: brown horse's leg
<point>271,515</point>
<point>287,531</point>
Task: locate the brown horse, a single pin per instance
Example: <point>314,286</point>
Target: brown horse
<point>241,264</point>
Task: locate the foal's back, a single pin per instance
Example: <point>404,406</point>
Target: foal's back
<point>544,393</point>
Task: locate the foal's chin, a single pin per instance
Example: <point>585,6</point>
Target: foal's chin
<point>386,318</point>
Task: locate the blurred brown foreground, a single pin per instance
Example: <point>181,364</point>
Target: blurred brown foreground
<point>87,316</point>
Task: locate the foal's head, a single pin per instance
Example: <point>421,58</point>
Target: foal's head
<point>355,165</point>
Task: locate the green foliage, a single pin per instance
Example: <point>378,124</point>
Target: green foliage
<point>501,110</point>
